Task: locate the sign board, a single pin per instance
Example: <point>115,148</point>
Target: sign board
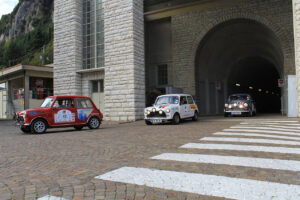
<point>218,85</point>
<point>280,82</point>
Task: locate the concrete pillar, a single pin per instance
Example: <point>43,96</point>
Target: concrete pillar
<point>67,46</point>
<point>26,91</point>
<point>296,14</point>
<point>124,60</point>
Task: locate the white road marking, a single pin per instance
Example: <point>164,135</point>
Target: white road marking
<point>241,148</point>
<point>287,127</point>
<point>277,164</point>
<point>250,140</point>
<point>265,128</point>
<point>262,131</point>
<point>48,197</point>
<point>219,186</point>
<point>282,121</point>
<point>257,135</point>
<point>280,124</point>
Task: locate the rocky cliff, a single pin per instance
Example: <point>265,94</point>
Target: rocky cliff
<point>27,15</point>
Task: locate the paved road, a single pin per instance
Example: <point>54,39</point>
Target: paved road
<point>214,158</point>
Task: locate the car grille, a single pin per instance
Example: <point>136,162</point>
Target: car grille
<point>156,114</point>
<point>19,119</point>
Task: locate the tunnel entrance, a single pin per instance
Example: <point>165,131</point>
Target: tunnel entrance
<point>238,56</point>
<point>259,78</point>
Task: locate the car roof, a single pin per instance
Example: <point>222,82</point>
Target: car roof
<point>240,94</point>
<point>175,95</point>
<point>67,96</point>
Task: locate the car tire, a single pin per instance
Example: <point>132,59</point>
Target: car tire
<point>25,129</point>
<point>39,126</point>
<point>195,118</point>
<point>176,119</point>
<point>147,122</point>
<point>78,128</point>
<point>94,123</point>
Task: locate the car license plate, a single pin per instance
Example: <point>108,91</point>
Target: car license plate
<point>156,120</point>
<point>236,113</point>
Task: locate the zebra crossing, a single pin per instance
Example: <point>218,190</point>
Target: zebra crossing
<point>256,136</point>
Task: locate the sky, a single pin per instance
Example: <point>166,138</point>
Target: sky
<point>7,6</point>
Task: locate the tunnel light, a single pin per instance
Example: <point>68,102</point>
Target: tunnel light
<point>260,90</point>
<point>237,85</point>
<point>273,93</point>
<point>267,92</point>
<point>251,88</point>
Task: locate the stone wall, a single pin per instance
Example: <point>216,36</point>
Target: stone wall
<point>296,11</point>
<point>124,60</point>
<point>190,28</point>
<point>67,46</point>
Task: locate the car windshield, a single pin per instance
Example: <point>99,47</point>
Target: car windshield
<point>167,100</point>
<point>47,103</point>
<point>239,97</point>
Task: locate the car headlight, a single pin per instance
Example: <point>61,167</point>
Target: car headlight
<point>168,110</point>
<point>226,105</point>
<point>153,109</point>
<point>160,112</point>
<point>230,106</point>
<point>245,104</point>
<point>23,114</point>
<point>235,104</point>
<point>241,106</point>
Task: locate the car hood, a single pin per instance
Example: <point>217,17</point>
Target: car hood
<point>36,110</point>
<point>161,107</point>
<point>239,102</point>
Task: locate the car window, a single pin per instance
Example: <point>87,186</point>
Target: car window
<point>167,100</point>
<point>239,97</point>
<point>64,103</point>
<point>47,103</point>
<point>183,100</point>
<point>190,100</point>
<point>83,103</point>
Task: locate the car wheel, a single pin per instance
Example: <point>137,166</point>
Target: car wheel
<point>176,119</point>
<point>78,128</point>
<point>94,123</point>
<point>148,122</point>
<point>25,129</point>
<point>38,126</point>
<point>195,118</point>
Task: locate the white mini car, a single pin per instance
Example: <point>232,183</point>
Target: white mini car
<point>173,108</point>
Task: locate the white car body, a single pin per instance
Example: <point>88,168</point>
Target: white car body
<point>159,113</point>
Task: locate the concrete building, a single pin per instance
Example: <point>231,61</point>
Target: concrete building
<point>124,53</point>
<point>23,87</point>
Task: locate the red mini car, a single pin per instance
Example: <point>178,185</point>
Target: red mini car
<point>60,111</point>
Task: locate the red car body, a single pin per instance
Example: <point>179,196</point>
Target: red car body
<point>76,111</point>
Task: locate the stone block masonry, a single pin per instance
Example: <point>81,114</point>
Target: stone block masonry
<point>67,46</point>
<point>124,60</point>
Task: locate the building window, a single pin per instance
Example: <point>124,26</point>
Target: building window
<point>162,75</point>
<point>93,34</point>
<point>98,86</point>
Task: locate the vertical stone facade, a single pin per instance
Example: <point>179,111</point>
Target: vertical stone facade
<point>67,46</point>
<point>296,12</point>
<point>124,59</point>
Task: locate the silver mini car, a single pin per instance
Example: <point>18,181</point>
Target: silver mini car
<point>240,104</point>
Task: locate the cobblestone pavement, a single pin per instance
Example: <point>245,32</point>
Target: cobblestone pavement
<point>64,163</point>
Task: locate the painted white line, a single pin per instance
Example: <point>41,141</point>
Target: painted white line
<point>282,121</point>
<point>48,197</point>
<point>277,164</point>
<point>280,124</point>
<point>241,148</point>
<point>249,140</point>
<point>218,186</point>
<point>265,128</point>
<point>257,135</point>
<point>262,131</point>
<point>287,127</point>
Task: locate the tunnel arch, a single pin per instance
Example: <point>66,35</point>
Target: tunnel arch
<point>225,46</point>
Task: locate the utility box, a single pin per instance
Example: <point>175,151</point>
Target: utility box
<point>292,96</point>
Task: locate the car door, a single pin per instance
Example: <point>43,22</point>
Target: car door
<point>64,112</point>
<point>191,106</point>
<point>183,107</point>
<point>84,109</point>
